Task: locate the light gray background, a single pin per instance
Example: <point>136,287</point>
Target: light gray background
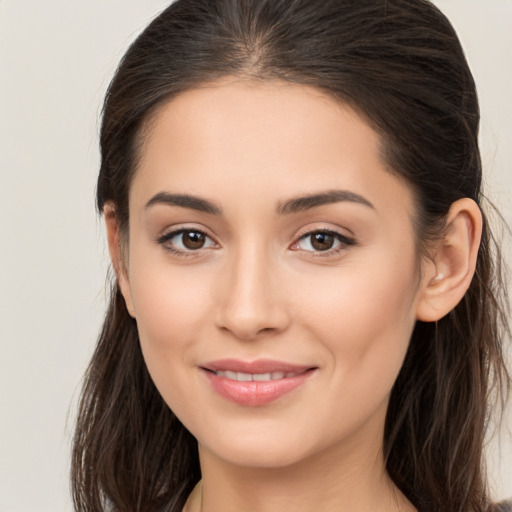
<point>56,58</point>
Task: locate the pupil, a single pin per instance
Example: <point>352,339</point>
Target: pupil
<point>193,240</point>
<point>322,241</point>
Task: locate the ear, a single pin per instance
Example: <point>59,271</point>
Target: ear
<point>447,276</point>
<point>116,254</point>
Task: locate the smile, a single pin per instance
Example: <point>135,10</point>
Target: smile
<point>255,383</point>
<point>259,377</point>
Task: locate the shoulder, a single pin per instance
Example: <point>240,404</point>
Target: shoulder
<point>503,506</point>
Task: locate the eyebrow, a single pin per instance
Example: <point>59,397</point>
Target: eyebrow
<point>299,204</point>
<point>293,205</point>
<point>185,201</point>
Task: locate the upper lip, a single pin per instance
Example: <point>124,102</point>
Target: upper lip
<point>259,366</point>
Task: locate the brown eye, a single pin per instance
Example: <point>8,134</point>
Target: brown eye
<point>185,241</point>
<point>322,241</point>
<point>193,239</point>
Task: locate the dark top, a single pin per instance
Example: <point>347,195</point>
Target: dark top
<point>504,506</point>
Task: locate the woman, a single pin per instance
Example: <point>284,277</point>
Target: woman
<point>308,309</point>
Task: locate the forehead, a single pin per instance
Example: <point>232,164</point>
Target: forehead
<point>271,138</point>
<point>245,114</point>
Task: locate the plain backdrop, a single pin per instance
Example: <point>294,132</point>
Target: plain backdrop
<point>56,59</point>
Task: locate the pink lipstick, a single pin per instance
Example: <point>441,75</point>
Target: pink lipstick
<point>255,383</point>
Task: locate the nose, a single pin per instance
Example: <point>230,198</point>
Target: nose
<point>251,299</point>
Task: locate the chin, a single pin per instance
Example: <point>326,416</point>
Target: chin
<point>265,445</point>
<point>257,455</point>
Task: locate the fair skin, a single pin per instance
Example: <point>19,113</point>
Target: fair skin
<point>222,264</point>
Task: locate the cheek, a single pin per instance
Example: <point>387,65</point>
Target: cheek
<point>171,305</point>
<point>166,296</point>
<point>365,318</point>
<point>167,301</point>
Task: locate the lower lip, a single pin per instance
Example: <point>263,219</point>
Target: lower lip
<point>255,393</point>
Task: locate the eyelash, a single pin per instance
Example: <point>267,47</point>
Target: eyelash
<point>344,242</point>
<point>190,253</point>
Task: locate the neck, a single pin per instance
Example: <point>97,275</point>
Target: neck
<point>338,479</point>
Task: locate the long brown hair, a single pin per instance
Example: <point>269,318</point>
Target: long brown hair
<point>399,63</point>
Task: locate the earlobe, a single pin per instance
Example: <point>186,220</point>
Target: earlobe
<point>453,263</point>
<point>116,254</point>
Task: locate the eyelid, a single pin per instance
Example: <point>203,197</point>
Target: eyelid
<point>170,233</point>
<point>345,241</point>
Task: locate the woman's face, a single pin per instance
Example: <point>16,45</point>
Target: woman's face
<point>272,271</point>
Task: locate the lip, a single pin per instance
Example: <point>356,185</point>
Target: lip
<point>255,393</point>
<point>258,366</point>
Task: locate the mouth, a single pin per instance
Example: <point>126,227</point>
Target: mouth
<point>258,377</point>
<point>255,383</point>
